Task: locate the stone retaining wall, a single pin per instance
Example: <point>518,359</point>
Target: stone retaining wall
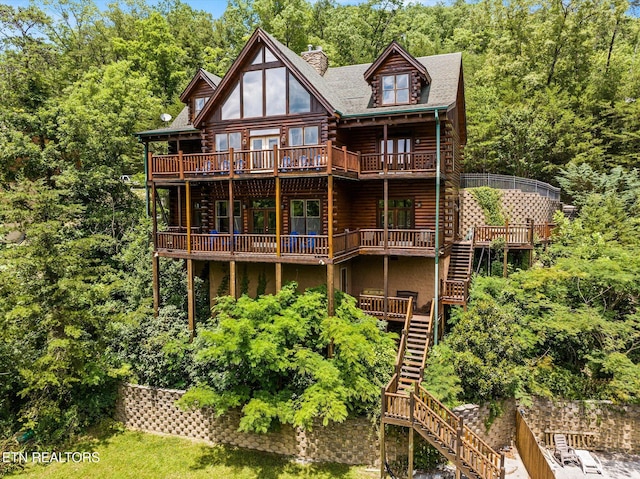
<point>516,205</point>
<point>613,428</point>
<point>354,441</point>
<point>501,430</point>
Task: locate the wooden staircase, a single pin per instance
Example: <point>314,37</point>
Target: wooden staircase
<point>455,289</point>
<point>406,403</point>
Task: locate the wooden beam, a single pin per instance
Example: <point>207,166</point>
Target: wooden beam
<point>410,470</point>
<point>278,213</point>
<point>180,206</point>
<point>385,279</point>
<point>188,200</point>
<point>278,277</point>
<point>154,213</point>
<point>230,210</point>
<point>232,278</point>
<point>191,304</point>
<point>212,290</point>
<point>330,214</point>
<point>155,269</point>
<point>180,165</point>
<point>330,288</point>
<point>383,458</point>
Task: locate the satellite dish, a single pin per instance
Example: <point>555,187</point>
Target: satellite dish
<point>165,117</point>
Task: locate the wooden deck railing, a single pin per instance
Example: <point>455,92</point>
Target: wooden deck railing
<point>396,162</point>
<point>288,159</point>
<point>512,234</point>
<point>397,307</point>
<point>543,232</point>
<point>403,239</point>
<point>455,290</point>
<point>316,245</point>
<point>420,410</point>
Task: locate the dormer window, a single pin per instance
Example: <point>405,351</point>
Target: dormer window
<point>395,89</point>
<point>199,104</point>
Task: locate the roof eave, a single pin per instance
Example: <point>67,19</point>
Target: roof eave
<point>399,112</point>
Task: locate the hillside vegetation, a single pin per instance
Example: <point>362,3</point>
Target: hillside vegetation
<point>549,86</point>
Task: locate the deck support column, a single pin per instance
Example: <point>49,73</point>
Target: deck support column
<point>385,239</point>
<point>212,291</point>
<point>155,269</point>
<point>330,288</point>
<point>232,218</point>
<point>188,201</point>
<point>191,309</point>
<point>232,279</point>
<point>278,212</point>
<point>410,469</point>
<point>506,249</point>
<point>383,458</point>
<point>278,277</point>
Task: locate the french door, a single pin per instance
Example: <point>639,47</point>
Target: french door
<point>397,153</point>
<point>262,152</point>
<point>263,217</point>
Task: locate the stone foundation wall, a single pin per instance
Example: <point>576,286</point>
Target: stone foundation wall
<point>613,428</point>
<point>354,441</point>
<point>516,205</point>
<point>501,430</point>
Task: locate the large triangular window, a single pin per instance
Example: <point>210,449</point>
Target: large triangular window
<point>266,92</point>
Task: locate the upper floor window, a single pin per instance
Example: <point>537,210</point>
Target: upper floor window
<point>266,92</point>
<point>199,104</point>
<point>305,216</point>
<point>308,135</point>
<point>400,213</point>
<point>223,215</point>
<point>264,55</point>
<point>395,89</point>
<point>224,141</point>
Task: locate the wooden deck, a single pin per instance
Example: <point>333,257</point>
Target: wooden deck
<point>307,160</point>
<point>516,236</point>
<point>366,241</point>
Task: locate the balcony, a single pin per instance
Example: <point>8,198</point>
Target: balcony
<point>515,236</point>
<point>297,247</point>
<point>374,305</point>
<point>320,159</point>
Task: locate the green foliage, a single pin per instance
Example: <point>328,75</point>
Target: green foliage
<point>490,200</point>
<point>269,356</point>
<point>568,327</point>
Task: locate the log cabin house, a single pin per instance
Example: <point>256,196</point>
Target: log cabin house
<point>287,169</point>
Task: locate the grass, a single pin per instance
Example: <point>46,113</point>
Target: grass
<point>138,455</point>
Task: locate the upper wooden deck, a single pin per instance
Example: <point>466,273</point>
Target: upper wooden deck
<point>178,242</point>
<point>292,161</point>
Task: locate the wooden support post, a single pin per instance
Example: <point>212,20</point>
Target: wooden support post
<point>385,165</point>
<point>383,458</point>
<point>154,213</point>
<point>212,290</point>
<point>278,215</point>
<point>330,214</point>
<point>191,303</point>
<point>459,435</point>
<point>502,472</point>
<point>232,279</point>
<point>232,166</point>
<point>385,279</point>
<point>276,160</point>
<point>155,269</point>
<point>506,249</point>
<point>410,470</point>
<point>180,206</point>
<point>278,277</point>
<point>230,210</point>
<point>180,165</point>
<point>150,164</point>
<point>344,155</point>
<point>188,201</point>
<point>330,287</point>
<point>329,156</point>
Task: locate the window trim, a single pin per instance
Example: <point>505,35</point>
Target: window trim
<point>218,217</point>
<point>395,88</point>
<point>306,217</point>
<point>411,209</point>
<point>304,128</point>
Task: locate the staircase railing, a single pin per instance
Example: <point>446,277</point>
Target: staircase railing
<point>429,338</point>
<point>403,338</point>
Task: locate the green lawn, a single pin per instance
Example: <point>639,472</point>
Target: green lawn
<point>138,455</point>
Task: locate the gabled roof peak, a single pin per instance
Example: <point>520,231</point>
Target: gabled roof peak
<point>395,47</point>
<point>201,74</point>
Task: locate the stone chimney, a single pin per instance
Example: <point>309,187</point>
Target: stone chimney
<point>317,59</point>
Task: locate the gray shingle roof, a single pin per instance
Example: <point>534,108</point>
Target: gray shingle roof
<point>215,79</point>
<point>180,123</point>
<point>347,91</point>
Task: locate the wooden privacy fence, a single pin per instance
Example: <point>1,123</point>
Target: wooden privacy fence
<point>530,452</point>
